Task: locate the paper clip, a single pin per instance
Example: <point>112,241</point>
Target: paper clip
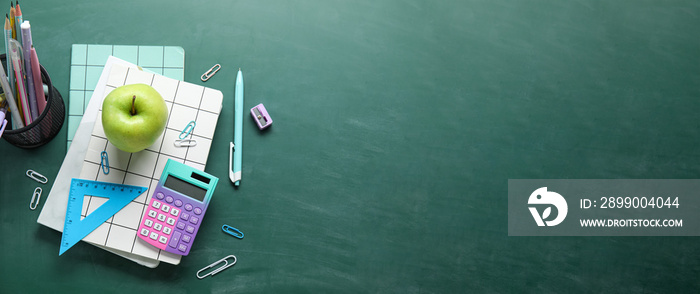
<point>185,143</point>
<point>188,129</point>
<point>37,176</point>
<point>232,231</point>
<point>210,73</point>
<point>104,163</point>
<point>35,198</point>
<point>221,268</point>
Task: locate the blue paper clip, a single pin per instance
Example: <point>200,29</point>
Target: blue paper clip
<point>104,163</point>
<point>232,231</point>
<point>188,129</point>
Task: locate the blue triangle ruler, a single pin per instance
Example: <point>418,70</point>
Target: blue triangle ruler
<point>76,229</point>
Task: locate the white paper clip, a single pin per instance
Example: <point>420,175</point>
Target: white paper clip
<point>104,163</point>
<point>221,268</point>
<point>188,129</point>
<point>211,72</point>
<point>37,176</point>
<point>35,198</point>
<point>185,143</point>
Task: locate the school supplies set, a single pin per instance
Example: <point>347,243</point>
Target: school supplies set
<point>32,112</point>
<point>156,199</point>
<point>146,206</point>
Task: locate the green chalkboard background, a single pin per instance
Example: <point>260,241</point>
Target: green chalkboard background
<point>397,125</point>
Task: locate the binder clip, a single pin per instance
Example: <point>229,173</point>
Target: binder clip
<point>218,270</point>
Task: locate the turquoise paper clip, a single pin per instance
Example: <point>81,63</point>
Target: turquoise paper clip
<point>104,163</point>
<point>232,231</point>
<point>188,129</point>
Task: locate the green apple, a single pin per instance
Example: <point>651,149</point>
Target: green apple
<point>133,117</point>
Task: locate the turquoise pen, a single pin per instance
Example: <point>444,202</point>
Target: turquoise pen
<point>236,151</point>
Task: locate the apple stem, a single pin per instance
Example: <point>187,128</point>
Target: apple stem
<point>133,108</point>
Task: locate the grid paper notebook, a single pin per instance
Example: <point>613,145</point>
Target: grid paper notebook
<point>87,62</point>
<point>186,102</point>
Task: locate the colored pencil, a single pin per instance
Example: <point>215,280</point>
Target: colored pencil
<point>18,22</point>
<point>38,84</point>
<point>12,20</point>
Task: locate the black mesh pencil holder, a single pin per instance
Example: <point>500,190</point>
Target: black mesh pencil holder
<point>44,128</point>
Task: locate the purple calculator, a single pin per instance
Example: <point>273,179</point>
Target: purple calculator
<point>177,207</point>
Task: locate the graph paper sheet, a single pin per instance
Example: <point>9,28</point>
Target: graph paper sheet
<point>186,102</point>
<point>88,60</point>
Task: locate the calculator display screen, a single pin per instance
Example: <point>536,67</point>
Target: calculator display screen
<point>185,188</point>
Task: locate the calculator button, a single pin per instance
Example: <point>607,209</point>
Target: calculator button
<point>163,239</point>
<point>169,199</point>
<point>144,232</point>
<point>159,195</point>
<point>157,227</point>
<point>197,210</point>
<point>186,238</point>
<point>152,213</point>
<point>148,223</point>
<point>194,220</point>
<point>178,203</point>
<point>167,230</point>
<point>154,235</point>
<point>188,207</point>
<point>165,208</point>
<point>171,221</point>
<point>174,239</point>
<point>185,216</point>
<point>189,229</point>
<point>181,225</point>
<point>174,211</point>
<point>182,247</point>
<point>155,204</point>
<point>161,217</point>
